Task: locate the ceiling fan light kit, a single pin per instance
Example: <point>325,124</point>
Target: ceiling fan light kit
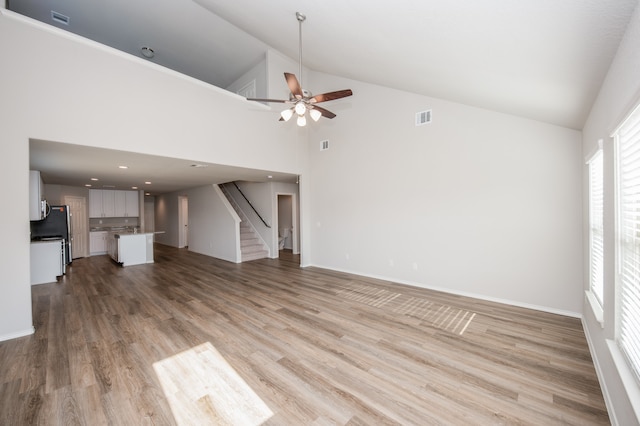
<point>302,100</point>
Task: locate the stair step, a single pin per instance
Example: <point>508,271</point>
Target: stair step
<point>252,248</point>
<point>254,256</point>
<point>249,241</point>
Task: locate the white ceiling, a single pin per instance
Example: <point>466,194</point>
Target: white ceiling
<point>75,165</point>
<point>540,59</point>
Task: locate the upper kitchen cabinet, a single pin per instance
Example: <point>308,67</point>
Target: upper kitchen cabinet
<point>101,203</point>
<point>37,205</point>
<point>126,204</point>
<point>113,203</point>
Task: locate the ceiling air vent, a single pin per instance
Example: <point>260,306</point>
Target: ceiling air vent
<point>423,117</point>
<point>324,145</point>
<point>59,18</point>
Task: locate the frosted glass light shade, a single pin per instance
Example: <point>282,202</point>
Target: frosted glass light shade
<point>302,120</point>
<point>286,114</point>
<point>315,114</point>
<point>301,108</point>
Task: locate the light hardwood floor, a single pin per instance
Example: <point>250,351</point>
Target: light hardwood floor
<point>195,340</point>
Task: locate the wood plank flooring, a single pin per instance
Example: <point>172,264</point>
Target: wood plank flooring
<point>195,340</point>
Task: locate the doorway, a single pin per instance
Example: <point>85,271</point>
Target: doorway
<point>78,219</point>
<point>183,221</point>
<point>287,223</point>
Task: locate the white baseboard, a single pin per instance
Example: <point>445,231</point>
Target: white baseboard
<point>17,334</point>
<point>459,293</point>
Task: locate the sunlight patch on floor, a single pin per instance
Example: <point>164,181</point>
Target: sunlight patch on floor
<point>203,389</point>
<point>444,317</point>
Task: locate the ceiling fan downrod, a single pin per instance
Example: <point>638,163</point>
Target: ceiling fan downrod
<point>301,18</point>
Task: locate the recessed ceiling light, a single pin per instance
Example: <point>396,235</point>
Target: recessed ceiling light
<point>88,185</point>
<point>269,177</point>
<point>147,52</point>
<point>94,179</point>
<point>123,167</point>
<point>134,187</point>
<point>147,183</point>
<point>146,193</point>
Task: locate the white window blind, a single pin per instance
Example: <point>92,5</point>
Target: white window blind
<point>596,225</point>
<point>628,227</point>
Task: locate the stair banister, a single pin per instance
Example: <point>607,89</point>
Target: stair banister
<point>251,205</point>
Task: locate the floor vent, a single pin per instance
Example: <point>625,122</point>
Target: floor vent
<point>324,145</point>
<point>423,117</point>
<point>59,18</point>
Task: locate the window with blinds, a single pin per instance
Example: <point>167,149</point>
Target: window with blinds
<point>596,226</point>
<point>628,238</point>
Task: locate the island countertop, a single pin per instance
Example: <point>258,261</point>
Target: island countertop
<point>132,249</point>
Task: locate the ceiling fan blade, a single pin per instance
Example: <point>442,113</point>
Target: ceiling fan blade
<point>293,84</point>
<point>325,113</point>
<point>324,97</point>
<point>281,101</point>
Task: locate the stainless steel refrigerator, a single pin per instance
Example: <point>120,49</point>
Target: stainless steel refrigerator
<point>55,226</point>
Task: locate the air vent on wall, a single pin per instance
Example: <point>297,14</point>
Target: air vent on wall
<point>59,18</point>
<point>324,145</point>
<point>423,117</point>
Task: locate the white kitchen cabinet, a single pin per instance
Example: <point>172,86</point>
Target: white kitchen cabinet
<point>133,203</point>
<point>126,204</point>
<point>113,203</point>
<point>36,196</point>
<point>47,261</point>
<point>101,203</point>
<point>95,203</point>
<point>98,242</point>
<point>108,203</point>
<point>133,249</point>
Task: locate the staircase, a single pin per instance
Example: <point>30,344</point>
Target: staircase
<point>251,246</point>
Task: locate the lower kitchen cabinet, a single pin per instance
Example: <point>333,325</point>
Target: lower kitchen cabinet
<point>98,242</point>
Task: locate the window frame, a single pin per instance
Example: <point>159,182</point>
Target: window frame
<point>595,295</point>
<point>631,361</point>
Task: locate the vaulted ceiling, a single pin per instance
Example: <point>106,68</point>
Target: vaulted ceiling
<point>540,59</point>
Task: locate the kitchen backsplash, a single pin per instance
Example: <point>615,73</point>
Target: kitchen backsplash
<point>107,222</point>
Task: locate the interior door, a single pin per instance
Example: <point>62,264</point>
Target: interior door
<point>183,222</point>
<point>78,218</point>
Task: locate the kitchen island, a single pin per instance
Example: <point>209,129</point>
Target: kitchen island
<point>131,248</point>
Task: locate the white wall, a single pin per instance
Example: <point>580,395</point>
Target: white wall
<point>80,92</point>
<point>477,202</point>
<point>149,214</point>
<point>619,93</point>
<point>213,224</point>
<point>257,74</point>
<point>166,219</point>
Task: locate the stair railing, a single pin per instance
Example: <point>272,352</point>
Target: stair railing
<point>251,205</point>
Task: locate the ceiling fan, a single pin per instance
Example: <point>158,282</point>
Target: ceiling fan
<point>302,100</point>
